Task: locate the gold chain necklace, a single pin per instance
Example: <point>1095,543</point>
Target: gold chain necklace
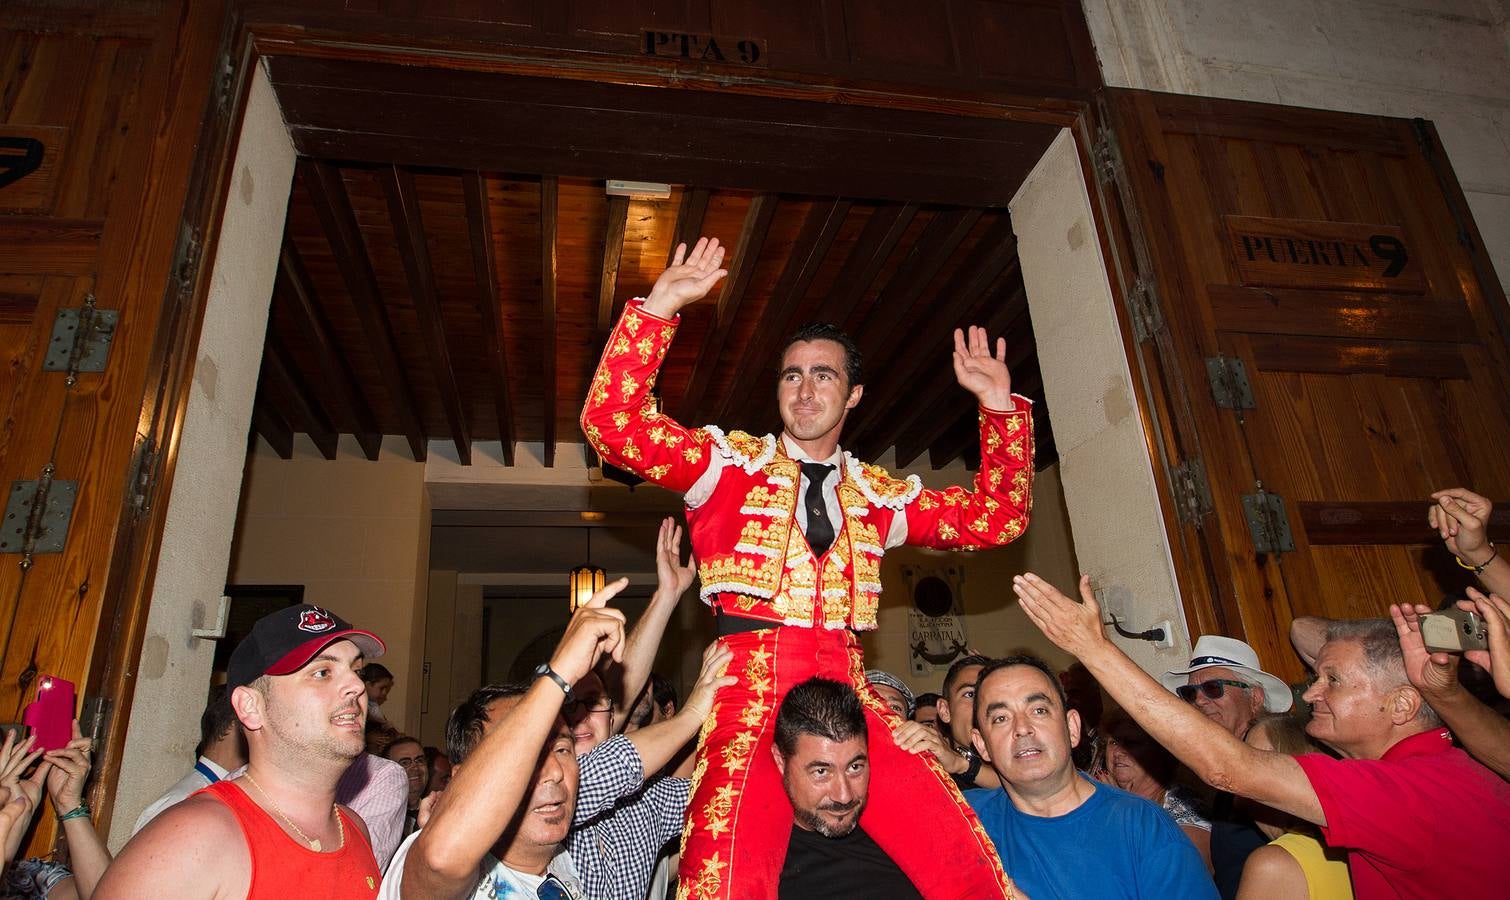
<point>314,843</point>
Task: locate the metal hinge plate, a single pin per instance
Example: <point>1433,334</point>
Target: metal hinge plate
<point>81,339</point>
<point>94,718</point>
<point>144,481</point>
<point>1267,523</point>
<point>1191,493</point>
<point>1229,382</point>
<point>29,528</point>
<point>1143,303</point>
<point>1105,156</point>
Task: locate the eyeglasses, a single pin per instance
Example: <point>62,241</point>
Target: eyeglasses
<point>552,889</point>
<point>1212,689</point>
<point>591,704</point>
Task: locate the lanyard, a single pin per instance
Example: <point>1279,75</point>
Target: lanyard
<point>206,771</point>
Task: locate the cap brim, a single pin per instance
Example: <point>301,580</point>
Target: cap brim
<point>1277,695</point>
<point>370,644</point>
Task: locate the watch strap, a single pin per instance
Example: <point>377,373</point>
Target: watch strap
<point>544,670</point>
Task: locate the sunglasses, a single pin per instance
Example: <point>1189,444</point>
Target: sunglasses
<point>552,889</point>
<point>1211,690</point>
<point>591,705</point>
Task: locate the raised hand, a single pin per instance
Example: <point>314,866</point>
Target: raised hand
<point>1461,517</point>
<point>1496,614</point>
<point>688,279</point>
<point>979,371</point>
<point>1430,673</point>
<point>594,631</point>
<point>916,737</point>
<point>671,575</point>
<point>711,677</point>
<point>70,770</point>
<point>1073,627</point>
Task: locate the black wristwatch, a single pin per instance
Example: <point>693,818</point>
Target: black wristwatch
<point>544,670</point>
<point>974,769</point>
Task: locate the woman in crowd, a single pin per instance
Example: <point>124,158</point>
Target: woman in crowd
<point>63,774</point>
<point>1137,764</point>
<point>1294,863</point>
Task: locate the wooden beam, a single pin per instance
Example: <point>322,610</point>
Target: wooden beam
<point>957,442</point>
<point>409,232</point>
<point>549,204</point>
<point>284,377</point>
<point>866,259</point>
<point>913,425</point>
<point>934,248</point>
<point>813,242</point>
<point>746,253</point>
<point>485,271</point>
<point>996,253</point>
<point>333,206</point>
<point>299,292</point>
<point>52,246</point>
<point>613,250</point>
<point>267,422</point>
<point>689,220</point>
<point>1381,522</point>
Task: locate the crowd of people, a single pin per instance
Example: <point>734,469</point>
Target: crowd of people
<point>790,770</point>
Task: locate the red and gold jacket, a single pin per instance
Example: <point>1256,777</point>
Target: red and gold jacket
<point>753,559</point>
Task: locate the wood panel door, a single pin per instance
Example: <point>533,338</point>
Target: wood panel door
<point>1325,264</point>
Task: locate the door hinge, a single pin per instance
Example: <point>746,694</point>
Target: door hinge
<point>144,478</point>
<point>1267,523</point>
<point>94,718</point>
<point>1143,304</point>
<point>226,82</point>
<point>1192,496</point>
<point>81,340</point>
<point>1105,156</point>
<point>1229,382</point>
<point>186,258</point>
<point>37,515</point>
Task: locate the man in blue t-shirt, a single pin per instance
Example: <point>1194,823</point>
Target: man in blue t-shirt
<point>1061,834</point>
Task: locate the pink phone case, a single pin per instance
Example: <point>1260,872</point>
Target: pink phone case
<point>51,714</point>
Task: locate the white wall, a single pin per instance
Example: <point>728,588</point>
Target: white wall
<point>173,675</point>
<point>1447,61</point>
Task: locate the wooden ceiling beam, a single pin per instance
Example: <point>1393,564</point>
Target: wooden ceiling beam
<point>955,443</point>
<point>689,220</point>
<point>880,236</point>
<point>485,271</point>
<point>959,296</point>
<point>914,424</point>
<point>746,253</point>
<point>267,422</point>
<point>819,229</point>
<point>336,372</point>
<point>549,209</point>
<point>613,251</point>
<point>284,376</point>
<point>333,206</point>
<point>933,250</point>
<point>409,231</point>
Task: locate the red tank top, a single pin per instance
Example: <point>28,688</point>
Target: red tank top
<point>283,867</point>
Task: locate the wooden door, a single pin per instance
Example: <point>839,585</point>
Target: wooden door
<point>1328,261</point>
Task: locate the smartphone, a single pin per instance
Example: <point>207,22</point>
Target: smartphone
<point>1454,630</point>
<point>51,714</point>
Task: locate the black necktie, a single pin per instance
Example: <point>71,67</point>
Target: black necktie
<point>820,531</point>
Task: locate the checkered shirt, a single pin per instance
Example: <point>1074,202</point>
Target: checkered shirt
<point>622,821</point>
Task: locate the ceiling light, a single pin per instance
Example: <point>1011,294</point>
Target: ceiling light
<point>638,190</point>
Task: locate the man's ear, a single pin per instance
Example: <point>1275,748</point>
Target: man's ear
<point>943,708</point>
<point>980,745</point>
<point>249,705</point>
<point>1072,719</point>
<point>1404,704</point>
<point>855,393</point>
<point>1258,699</point>
<point>780,760</point>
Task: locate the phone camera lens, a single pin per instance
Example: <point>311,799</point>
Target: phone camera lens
<point>1467,628</point>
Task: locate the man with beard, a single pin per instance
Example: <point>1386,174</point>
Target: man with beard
<point>820,750</point>
<point>276,831</point>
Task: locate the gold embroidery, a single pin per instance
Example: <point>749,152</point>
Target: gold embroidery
<point>631,322</point>
<point>692,454</point>
<point>600,387</point>
<point>628,387</point>
<point>769,537</point>
<point>718,808</point>
<point>657,435</point>
<point>620,347</point>
<point>1014,425</point>
<point>1010,532</point>
<point>656,473</point>
<point>947,531</point>
<point>646,346</point>
<point>993,439</point>
<point>754,713</point>
<point>621,420</point>
<point>980,524</point>
<point>926,501</point>
<point>736,753</point>
<point>710,880</point>
<point>1017,449</point>
<point>994,479</point>
<point>630,451</point>
<point>758,670</point>
<point>881,481</point>
<point>666,332</point>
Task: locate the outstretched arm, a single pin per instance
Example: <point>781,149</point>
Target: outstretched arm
<point>1484,733</point>
<point>672,580</point>
<point>1211,752</point>
<point>1461,517</point>
<point>486,790</point>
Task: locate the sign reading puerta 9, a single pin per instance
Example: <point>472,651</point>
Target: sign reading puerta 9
<point>1299,253</point>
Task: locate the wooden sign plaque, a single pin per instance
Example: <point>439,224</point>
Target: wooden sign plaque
<point>1299,253</point>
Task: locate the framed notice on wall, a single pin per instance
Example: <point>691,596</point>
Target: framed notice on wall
<point>1303,253</point>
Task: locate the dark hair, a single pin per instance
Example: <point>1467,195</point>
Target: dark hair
<point>1159,763</point>
<point>820,707</point>
<point>404,739</point>
<point>432,754</point>
<point>468,721</point>
<point>375,672</point>
<point>662,691</point>
<point>217,720</point>
<point>960,665</point>
<point>928,699</point>
<point>824,331</point>
<point>1007,662</point>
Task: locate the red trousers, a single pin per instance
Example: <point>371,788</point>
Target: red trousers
<point>739,819</point>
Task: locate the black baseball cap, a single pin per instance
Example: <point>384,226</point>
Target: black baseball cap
<point>284,641</point>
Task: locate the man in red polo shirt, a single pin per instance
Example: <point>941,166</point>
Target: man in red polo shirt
<point>1418,816</point>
